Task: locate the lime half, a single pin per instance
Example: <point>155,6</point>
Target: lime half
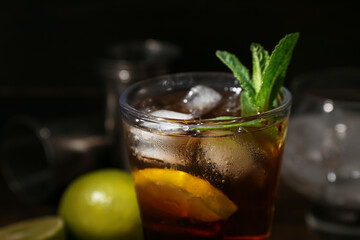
<point>45,228</point>
<point>182,195</point>
<point>101,205</point>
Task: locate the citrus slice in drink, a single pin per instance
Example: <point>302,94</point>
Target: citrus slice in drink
<point>179,194</point>
<point>45,228</point>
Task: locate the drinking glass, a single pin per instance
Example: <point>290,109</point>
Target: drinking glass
<point>199,178</point>
<point>40,156</point>
<point>322,156</point>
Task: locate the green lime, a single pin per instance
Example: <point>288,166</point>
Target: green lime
<point>45,228</point>
<point>101,205</point>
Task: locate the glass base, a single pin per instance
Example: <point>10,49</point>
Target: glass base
<point>334,222</point>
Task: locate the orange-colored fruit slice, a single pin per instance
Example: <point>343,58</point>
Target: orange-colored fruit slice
<point>182,195</point>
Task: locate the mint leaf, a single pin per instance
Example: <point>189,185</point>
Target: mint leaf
<point>275,71</point>
<point>260,92</point>
<point>240,72</point>
<point>247,109</point>
<point>260,61</point>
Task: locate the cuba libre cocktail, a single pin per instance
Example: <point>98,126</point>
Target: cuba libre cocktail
<point>198,175</point>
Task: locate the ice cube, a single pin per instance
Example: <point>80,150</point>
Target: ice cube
<point>167,126</point>
<point>151,144</point>
<point>157,148</point>
<point>201,99</point>
<point>231,155</point>
<point>172,115</point>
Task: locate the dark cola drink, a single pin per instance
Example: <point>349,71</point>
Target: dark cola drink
<point>203,172</point>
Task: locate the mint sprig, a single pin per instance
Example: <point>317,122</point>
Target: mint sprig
<point>260,61</point>
<point>240,72</point>
<point>268,74</point>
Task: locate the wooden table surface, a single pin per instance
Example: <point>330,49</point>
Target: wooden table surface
<point>288,222</point>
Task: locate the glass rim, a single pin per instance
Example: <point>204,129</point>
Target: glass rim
<point>125,106</point>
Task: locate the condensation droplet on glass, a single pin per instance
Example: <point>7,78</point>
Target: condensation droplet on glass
<point>236,90</point>
<point>240,129</point>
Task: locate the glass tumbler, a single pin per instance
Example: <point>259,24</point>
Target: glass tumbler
<point>196,176</point>
<point>322,155</point>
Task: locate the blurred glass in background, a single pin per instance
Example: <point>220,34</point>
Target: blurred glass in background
<point>43,148</point>
<point>40,156</point>
<point>124,64</point>
<point>323,147</point>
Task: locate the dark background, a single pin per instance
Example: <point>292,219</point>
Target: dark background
<point>49,50</point>
<point>55,43</point>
